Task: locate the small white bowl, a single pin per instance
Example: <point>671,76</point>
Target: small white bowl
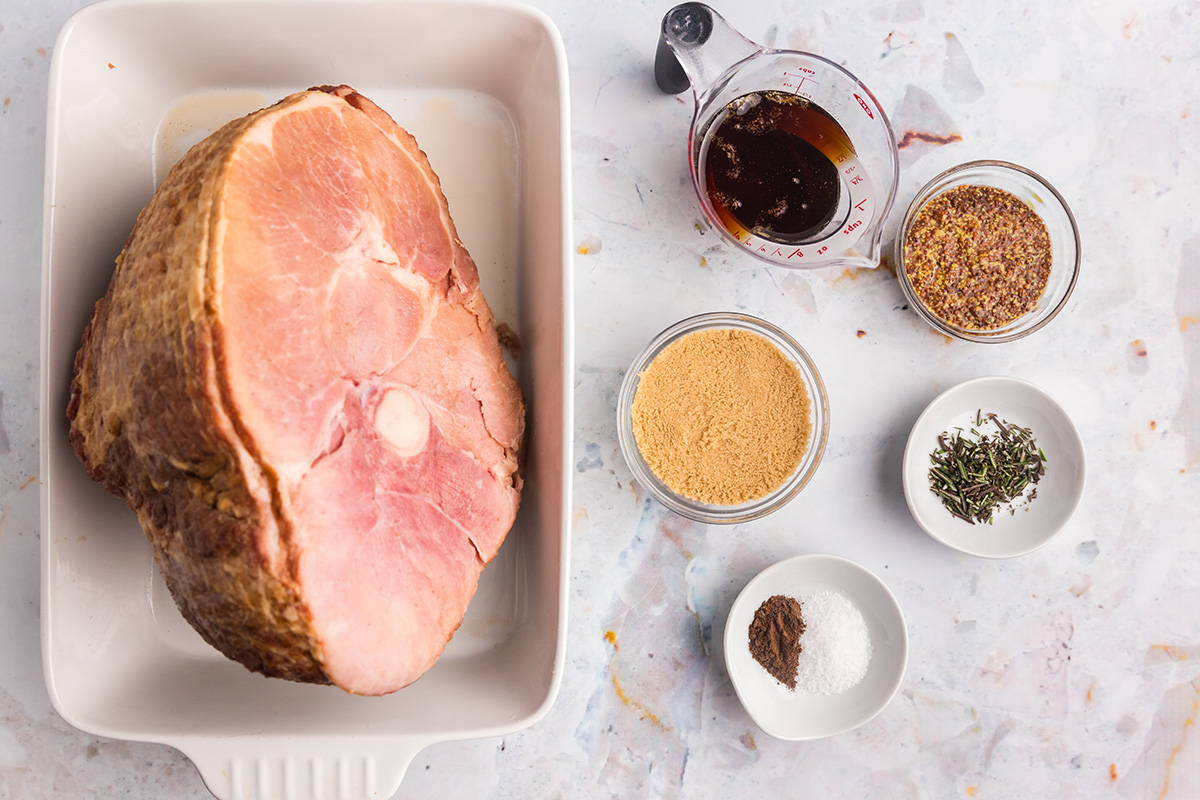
<point>796,715</point>
<point>1034,523</point>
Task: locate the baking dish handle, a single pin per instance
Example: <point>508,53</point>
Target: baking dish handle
<point>253,768</point>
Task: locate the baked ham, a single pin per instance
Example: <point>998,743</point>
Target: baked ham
<point>296,383</point>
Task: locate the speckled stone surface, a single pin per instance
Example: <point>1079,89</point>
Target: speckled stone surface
<point>1070,672</point>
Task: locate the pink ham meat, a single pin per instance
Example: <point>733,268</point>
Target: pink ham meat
<point>296,383</point>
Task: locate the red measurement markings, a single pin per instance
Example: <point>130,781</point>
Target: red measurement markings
<point>857,179</point>
<point>750,243</point>
<point>859,205</point>
<point>864,105</point>
<point>852,226</point>
<point>803,75</point>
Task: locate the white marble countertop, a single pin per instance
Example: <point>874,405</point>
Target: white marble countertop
<point>1070,672</point>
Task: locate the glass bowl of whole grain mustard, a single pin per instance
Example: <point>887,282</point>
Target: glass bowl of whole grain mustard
<point>988,252</point>
<point>723,418</point>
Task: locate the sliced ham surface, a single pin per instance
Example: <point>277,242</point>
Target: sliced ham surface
<point>296,383</point>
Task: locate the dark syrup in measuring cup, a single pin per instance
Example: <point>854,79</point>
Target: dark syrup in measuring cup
<point>771,167</point>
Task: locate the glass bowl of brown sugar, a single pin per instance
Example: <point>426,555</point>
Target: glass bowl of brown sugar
<point>723,418</point>
<point>988,252</point>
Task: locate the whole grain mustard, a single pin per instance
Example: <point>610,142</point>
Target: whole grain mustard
<point>978,257</point>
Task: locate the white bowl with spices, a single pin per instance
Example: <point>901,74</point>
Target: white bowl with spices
<point>827,700</point>
<point>988,252</point>
<point>723,418</point>
<point>1043,508</point>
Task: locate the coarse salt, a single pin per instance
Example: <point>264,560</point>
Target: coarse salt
<point>835,646</point>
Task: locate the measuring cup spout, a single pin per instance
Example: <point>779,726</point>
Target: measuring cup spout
<point>695,47</point>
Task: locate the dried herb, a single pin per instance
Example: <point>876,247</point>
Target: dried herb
<point>975,476</point>
<point>775,637</point>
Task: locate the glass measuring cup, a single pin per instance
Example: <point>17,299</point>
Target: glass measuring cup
<point>830,192</point>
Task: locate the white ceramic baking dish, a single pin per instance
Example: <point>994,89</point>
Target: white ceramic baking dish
<point>483,86</point>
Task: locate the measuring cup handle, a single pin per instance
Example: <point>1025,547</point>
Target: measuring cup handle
<point>668,72</point>
<point>691,23</point>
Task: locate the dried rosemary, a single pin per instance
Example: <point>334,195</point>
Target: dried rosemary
<point>975,476</point>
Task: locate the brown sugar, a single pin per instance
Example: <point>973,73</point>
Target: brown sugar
<point>722,416</point>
